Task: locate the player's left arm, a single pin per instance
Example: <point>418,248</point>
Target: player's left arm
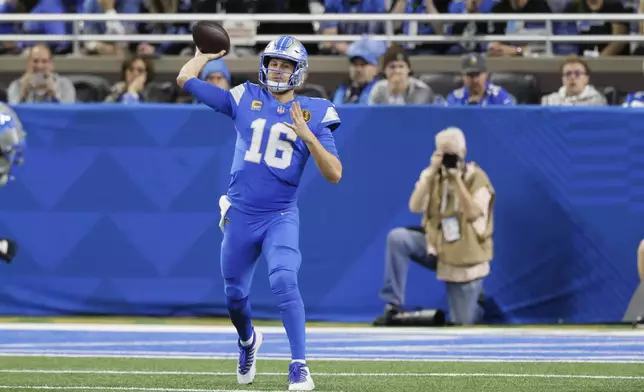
<point>322,147</point>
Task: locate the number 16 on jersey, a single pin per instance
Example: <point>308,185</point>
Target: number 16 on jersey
<point>274,144</point>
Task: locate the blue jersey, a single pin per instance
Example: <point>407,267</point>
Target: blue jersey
<point>269,157</point>
<point>494,95</point>
<point>634,100</point>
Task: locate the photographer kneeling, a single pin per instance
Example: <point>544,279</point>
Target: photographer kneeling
<point>455,240</point>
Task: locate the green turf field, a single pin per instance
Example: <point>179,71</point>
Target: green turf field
<point>164,355</point>
<point>110,374</point>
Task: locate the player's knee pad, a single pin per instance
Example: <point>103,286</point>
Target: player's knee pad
<point>233,291</point>
<point>283,281</point>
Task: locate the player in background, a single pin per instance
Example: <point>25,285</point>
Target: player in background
<point>259,211</point>
<point>12,144</point>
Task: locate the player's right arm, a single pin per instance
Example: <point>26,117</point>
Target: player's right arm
<point>217,98</point>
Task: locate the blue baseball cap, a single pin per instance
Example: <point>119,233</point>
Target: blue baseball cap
<point>367,49</point>
<point>214,66</point>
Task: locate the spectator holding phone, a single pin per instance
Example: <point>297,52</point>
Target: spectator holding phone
<point>40,83</point>
<point>456,199</point>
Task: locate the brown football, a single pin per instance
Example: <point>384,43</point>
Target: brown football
<point>210,37</point>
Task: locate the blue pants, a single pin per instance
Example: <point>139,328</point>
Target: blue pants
<point>276,235</point>
<point>404,244</point>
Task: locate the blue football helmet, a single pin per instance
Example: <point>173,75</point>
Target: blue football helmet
<point>286,48</point>
<point>12,142</point>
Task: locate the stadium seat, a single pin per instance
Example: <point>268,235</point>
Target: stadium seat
<point>313,91</point>
<point>162,92</point>
<point>442,83</point>
<point>89,88</point>
<point>610,93</point>
<point>524,87</point>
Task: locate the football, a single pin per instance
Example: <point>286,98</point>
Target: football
<point>210,37</point>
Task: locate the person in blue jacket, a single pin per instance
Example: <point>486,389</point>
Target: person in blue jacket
<point>477,90</point>
<point>363,72</point>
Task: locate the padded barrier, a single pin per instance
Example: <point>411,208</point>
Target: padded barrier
<point>116,211</point>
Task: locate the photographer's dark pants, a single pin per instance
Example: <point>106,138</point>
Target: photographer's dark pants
<point>404,244</point>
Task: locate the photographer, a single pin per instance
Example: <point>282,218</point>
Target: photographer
<point>40,83</point>
<point>455,240</point>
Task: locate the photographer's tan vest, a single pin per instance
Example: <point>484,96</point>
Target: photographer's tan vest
<point>467,258</point>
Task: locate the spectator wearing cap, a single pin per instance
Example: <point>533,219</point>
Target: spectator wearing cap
<point>363,72</point>
<point>216,72</point>
<point>399,87</point>
<point>477,90</point>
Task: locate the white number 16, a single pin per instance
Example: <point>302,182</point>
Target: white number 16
<point>273,145</point>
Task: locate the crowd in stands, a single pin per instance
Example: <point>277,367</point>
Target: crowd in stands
<point>377,74</point>
<point>466,30</point>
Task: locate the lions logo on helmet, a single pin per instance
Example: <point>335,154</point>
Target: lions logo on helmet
<point>285,48</point>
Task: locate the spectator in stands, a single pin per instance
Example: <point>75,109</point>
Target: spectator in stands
<point>34,27</point>
<point>8,47</point>
<point>136,74</point>
<point>216,72</point>
<point>596,49</point>
<point>399,87</point>
<point>415,28</point>
<point>278,28</point>
<point>636,99</point>
<point>576,90</point>
<point>456,199</point>
<point>477,90</point>
<point>518,27</point>
<point>468,30</point>
<point>350,7</point>
<point>637,27</point>
<point>167,28</point>
<point>363,72</point>
<point>40,83</point>
<point>109,7</point>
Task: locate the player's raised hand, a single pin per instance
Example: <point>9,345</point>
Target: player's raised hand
<point>209,56</point>
<point>299,124</point>
<point>193,67</point>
